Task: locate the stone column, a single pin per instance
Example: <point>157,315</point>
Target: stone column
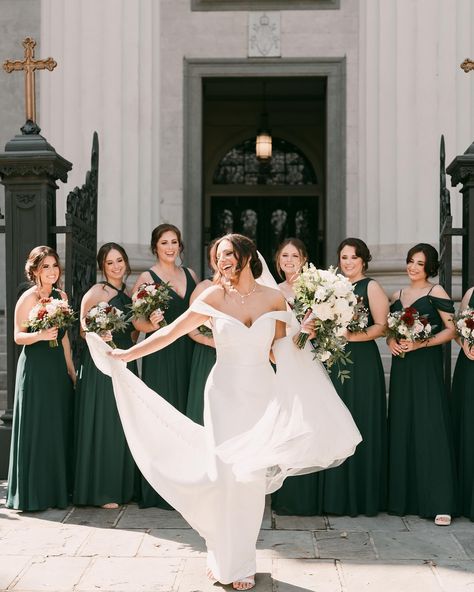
<point>29,169</point>
<point>462,171</point>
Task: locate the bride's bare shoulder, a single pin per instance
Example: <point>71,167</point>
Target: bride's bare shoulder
<point>274,296</point>
<point>212,295</point>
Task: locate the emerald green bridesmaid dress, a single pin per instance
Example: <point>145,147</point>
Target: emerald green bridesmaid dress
<point>104,470</point>
<point>422,476</point>
<point>462,398</point>
<point>39,475</point>
<point>359,485</point>
<point>204,358</point>
<point>167,372</point>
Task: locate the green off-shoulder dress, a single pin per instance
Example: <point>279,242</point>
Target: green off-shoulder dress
<point>421,458</point>
<point>204,358</point>
<point>359,485</point>
<point>104,468</point>
<point>463,420</point>
<point>39,475</point>
<point>167,372</point>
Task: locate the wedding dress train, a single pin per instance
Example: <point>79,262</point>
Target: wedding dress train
<point>259,427</point>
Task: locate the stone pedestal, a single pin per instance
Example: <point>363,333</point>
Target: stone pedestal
<point>29,169</point>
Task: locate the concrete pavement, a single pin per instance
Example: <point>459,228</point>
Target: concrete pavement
<point>125,550</point>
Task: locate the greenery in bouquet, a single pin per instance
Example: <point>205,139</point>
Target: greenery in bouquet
<point>104,317</point>
<point>327,297</point>
<point>150,297</point>
<point>360,318</point>
<point>408,324</point>
<point>464,325</point>
<point>205,330</point>
<point>49,313</point>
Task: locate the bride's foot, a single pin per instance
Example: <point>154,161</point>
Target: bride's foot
<point>210,575</point>
<point>442,520</point>
<point>244,583</point>
<point>110,506</point>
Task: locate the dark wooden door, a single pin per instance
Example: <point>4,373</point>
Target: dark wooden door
<point>268,220</point>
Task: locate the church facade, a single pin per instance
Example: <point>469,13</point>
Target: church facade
<point>355,94</point>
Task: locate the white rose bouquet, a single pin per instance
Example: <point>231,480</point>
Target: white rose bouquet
<point>328,297</point>
<point>408,324</point>
<point>464,325</point>
<point>150,297</point>
<point>104,317</point>
<point>48,313</point>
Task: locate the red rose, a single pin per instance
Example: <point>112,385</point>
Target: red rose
<point>42,313</point>
<point>142,294</point>
<point>470,323</point>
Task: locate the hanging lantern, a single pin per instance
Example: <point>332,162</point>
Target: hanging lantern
<point>263,142</point>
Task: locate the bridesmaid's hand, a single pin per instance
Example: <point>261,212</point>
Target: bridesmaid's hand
<point>106,335</point>
<point>156,317</point>
<point>121,354</point>
<point>469,351</point>
<point>407,345</point>
<point>48,334</point>
<point>395,348</point>
<point>308,326</point>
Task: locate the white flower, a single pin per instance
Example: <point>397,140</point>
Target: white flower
<point>344,310</point>
<point>324,356</point>
<point>403,330</point>
<point>324,311</point>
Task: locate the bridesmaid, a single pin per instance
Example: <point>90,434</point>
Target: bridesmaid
<point>204,358</point>
<point>421,460</point>
<point>39,470</point>
<point>104,467</point>
<point>299,496</point>
<point>463,416</point>
<point>358,486</point>
<point>167,371</point>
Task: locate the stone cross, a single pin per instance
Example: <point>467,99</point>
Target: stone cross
<point>29,65</point>
<point>467,65</point>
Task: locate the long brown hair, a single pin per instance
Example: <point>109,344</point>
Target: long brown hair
<point>102,256</point>
<point>158,232</point>
<point>299,246</point>
<point>245,252</point>
<point>35,260</point>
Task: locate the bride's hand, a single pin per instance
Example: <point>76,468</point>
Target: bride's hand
<point>308,326</point>
<point>120,354</point>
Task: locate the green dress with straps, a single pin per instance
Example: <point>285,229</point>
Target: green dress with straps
<point>359,485</point>
<point>463,420</point>
<point>39,475</point>
<point>422,476</point>
<point>167,372</point>
<point>104,470</point>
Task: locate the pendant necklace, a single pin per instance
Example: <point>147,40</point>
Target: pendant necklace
<point>243,296</point>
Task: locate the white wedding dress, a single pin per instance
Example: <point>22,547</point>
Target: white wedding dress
<point>259,427</point>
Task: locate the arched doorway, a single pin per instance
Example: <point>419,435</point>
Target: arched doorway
<point>268,201</point>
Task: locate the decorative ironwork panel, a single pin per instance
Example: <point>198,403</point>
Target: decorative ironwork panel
<point>288,166</point>
<point>81,240</point>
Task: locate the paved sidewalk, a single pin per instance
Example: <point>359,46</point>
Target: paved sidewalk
<point>132,550</point>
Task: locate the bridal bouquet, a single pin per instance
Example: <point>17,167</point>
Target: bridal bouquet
<point>48,313</point>
<point>464,325</point>
<point>105,317</point>
<point>408,324</point>
<point>360,318</point>
<point>150,297</point>
<point>327,297</point>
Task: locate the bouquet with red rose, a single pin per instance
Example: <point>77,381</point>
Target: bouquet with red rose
<point>408,324</point>
<point>464,324</point>
<point>48,313</point>
<point>150,297</point>
<point>104,317</point>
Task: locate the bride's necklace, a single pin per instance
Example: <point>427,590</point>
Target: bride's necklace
<point>244,296</point>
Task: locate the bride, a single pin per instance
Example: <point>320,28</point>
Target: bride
<point>259,426</point>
